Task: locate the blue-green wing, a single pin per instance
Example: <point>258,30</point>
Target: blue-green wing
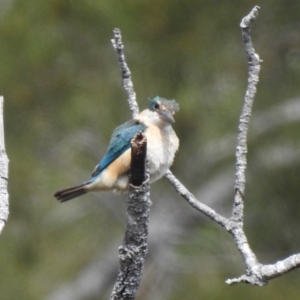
<point>119,143</point>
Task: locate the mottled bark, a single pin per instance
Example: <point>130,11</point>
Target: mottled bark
<point>133,251</point>
<point>126,74</point>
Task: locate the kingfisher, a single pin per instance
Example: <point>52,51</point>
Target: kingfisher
<point>112,173</point>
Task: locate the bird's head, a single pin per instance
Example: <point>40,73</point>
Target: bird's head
<point>164,108</point>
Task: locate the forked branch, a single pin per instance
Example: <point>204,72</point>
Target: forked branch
<point>256,273</point>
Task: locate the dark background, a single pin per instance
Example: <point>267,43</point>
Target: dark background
<point>63,97</point>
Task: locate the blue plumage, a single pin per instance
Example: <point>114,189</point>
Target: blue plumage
<point>119,143</point>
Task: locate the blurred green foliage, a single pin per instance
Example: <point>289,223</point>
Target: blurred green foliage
<point>63,97</point>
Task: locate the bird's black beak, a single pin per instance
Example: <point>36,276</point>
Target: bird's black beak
<point>167,116</point>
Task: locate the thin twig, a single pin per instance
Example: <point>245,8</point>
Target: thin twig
<point>190,198</point>
<point>126,74</point>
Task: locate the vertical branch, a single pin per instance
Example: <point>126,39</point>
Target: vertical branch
<point>253,268</point>
<point>126,74</point>
<point>133,251</point>
<point>3,173</point>
<point>138,159</point>
<point>241,149</point>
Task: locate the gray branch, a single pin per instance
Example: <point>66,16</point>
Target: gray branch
<point>133,252</point>
<point>241,149</point>
<point>126,74</point>
<point>256,273</point>
<point>134,248</point>
<point>3,173</point>
<point>190,198</point>
<point>252,266</point>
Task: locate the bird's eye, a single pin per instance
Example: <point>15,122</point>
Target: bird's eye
<point>156,106</point>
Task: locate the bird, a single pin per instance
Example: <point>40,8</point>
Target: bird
<point>113,171</point>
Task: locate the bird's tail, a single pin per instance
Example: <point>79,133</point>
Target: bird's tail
<point>70,193</point>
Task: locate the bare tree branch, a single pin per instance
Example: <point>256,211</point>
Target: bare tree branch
<point>135,244</point>
<point>256,273</point>
<point>241,149</point>
<point>3,173</point>
<point>190,198</point>
<point>126,74</point>
<point>138,159</point>
<point>134,249</point>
